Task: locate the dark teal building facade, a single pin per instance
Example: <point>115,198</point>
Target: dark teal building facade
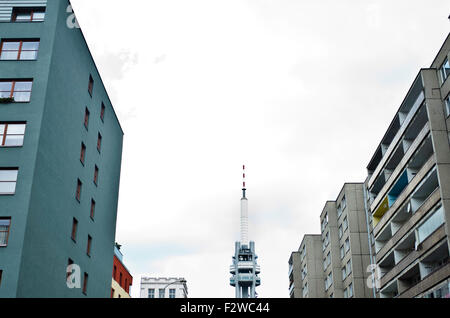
<point>61,207</point>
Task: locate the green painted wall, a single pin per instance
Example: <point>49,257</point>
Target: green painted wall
<point>44,206</point>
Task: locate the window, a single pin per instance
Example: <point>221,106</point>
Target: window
<point>444,71</point>
<point>342,252</point>
<point>339,211</point>
<point>74,229</point>
<point>92,209</point>
<point>12,134</point>
<point>344,273</point>
<point>96,175</point>
<point>85,283</point>
<point>327,261</point>
<point>68,273</point>
<point>304,271</point>
<point>102,112</point>
<point>28,15</point>
<point>343,203</point>
<point>346,293</point>
<point>120,278</point>
<point>15,50</point>
<point>171,293</point>
<point>115,272</point>
<point>91,85</point>
<point>78,193</point>
<point>447,106</point>
<point>348,267</point>
<point>350,290</point>
<point>431,224</point>
<point>341,232</point>
<point>83,153</point>
<point>89,245</point>
<point>112,292</point>
<point>328,281</point>
<point>19,91</point>
<point>99,142</point>
<point>86,118</point>
<point>8,180</point>
<point>5,224</point>
<point>345,224</point>
<point>347,245</point>
<point>151,293</point>
<point>162,293</point>
<point>1,274</point>
<point>325,221</point>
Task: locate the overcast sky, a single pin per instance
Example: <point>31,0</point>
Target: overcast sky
<point>301,91</point>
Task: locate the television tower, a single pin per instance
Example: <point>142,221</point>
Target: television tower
<point>244,269</point>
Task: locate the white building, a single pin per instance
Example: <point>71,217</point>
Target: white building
<point>162,287</point>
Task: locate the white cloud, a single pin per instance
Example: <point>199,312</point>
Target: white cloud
<point>301,91</point>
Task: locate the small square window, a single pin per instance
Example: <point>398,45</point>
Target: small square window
<point>99,142</point>
<point>92,214</point>
<point>89,245</point>
<point>85,283</point>
<point>78,193</point>
<point>74,229</point>
<point>83,153</point>
<point>96,175</point>
<point>87,113</point>
<point>102,112</point>
<point>91,85</point>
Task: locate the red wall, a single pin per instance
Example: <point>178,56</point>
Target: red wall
<point>118,269</point>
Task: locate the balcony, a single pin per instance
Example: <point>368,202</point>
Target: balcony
<point>411,103</point>
<point>406,145</point>
<point>416,162</point>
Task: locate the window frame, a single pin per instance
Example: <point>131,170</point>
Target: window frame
<point>12,91</point>
<point>7,232</point>
<point>442,74</point>
<point>87,115</point>
<point>91,85</point>
<point>74,233</point>
<point>89,246</point>
<point>83,153</point>
<point>85,283</point>
<point>102,112</point>
<point>99,142</point>
<point>10,181</point>
<point>78,191</point>
<point>92,210</point>
<point>20,50</point>
<point>5,134</point>
<point>96,175</point>
<point>31,10</point>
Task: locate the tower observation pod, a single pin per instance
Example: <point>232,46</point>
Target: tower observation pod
<point>245,269</point>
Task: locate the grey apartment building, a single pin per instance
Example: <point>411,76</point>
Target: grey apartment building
<point>338,257</point>
<point>305,270</point>
<point>408,190</point>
